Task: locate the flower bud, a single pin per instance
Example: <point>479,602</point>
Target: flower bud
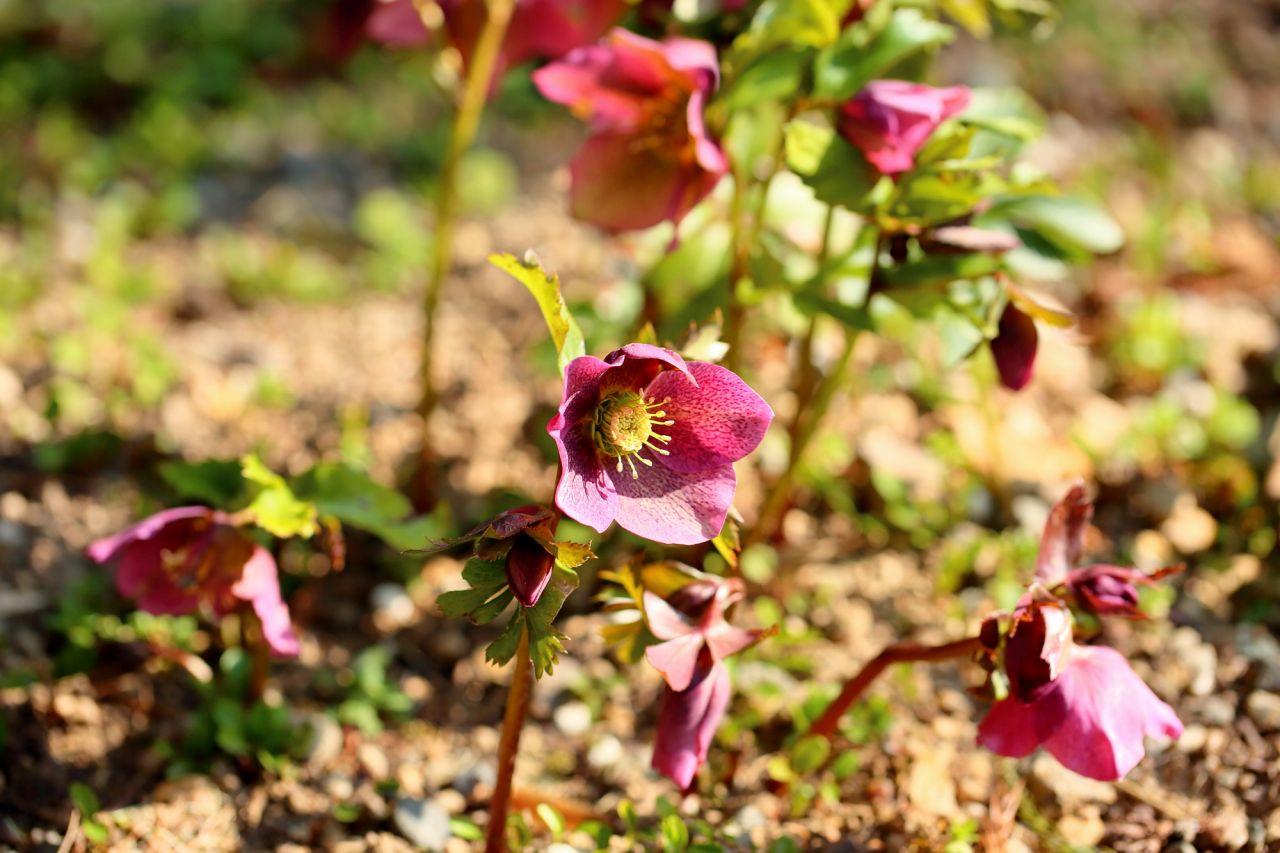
<point>529,568</point>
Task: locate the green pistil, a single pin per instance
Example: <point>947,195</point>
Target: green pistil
<point>623,427</point>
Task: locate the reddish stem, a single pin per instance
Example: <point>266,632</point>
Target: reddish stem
<point>826,724</point>
<point>512,724</point>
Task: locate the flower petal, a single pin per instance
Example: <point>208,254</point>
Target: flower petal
<point>717,421</point>
<point>673,507</point>
<point>1062,542</point>
<point>665,622</point>
<point>259,585</point>
<point>1009,729</point>
<point>1014,348</point>
<point>676,659</point>
<point>724,640</point>
<point>397,24</point>
<point>104,550</point>
<point>1105,710</point>
<point>687,723</point>
<point>585,493</point>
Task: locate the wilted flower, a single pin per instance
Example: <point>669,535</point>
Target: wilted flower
<point>889,120</point>
<point>650,157</point>
<point>539,29</point>
<point>1111,590</point>
<point>649,441</point>
<point>697,639</point>
<point>1092,717</point>
<point>179,559</point>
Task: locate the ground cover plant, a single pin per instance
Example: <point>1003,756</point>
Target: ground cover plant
<point>567,425</point>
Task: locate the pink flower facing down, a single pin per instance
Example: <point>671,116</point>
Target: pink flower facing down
<point>649,441</point>
<point>697,640</point>
<point>178,559</point>
<point>889,120</point>
<point>650,157</point>
<point>539,29</point>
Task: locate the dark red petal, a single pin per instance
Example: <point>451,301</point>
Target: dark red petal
<point>1014,348</point>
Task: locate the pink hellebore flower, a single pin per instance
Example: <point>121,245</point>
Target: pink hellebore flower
<point>691,660</point>
<point>539,29</point>
<point>649,441</point>
<point>889,120</point>
<point>650,157</point>
<point>178,559</point>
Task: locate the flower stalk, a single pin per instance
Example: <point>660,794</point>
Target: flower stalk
<point>509,745</point>
<point>479,81</point>
<point>829,721</point>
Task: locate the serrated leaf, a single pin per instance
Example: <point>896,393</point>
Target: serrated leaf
<point>545,642</point>
<point>503,649</point>
<point>485,580</point>
<point>276,509</point>
<point>492,609</point>
<point>841,70</point>
<point>570,555</point>
<point>545,288</point>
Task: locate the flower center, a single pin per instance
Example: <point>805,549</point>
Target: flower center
<point>623,427</point>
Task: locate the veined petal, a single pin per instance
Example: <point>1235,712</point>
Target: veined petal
<point>687,723</point>
<point>585,493</point>
<point>260,586</point>
<point>673,507</point>
<point>717,421</point>
<point>1062,542</point>
<point>676,659</point>
<point>1009,729</point>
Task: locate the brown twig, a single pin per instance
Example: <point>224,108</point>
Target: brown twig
<point>512,724</point>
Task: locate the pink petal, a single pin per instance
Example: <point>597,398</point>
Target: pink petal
<point>890,120</point>
<point>1063,539</point>
<point>717,421</point>
<point>397,24</point>
<point>696,56</point>
<point>665,621</point>
<point>724,640</point>
<point>163,598</point>
<point>585,493</point>
<point>1014,348</point>
<point>104,550</point>
<point>673,507</point>
<point>578,81</point>
<point>1038,649</point>
<point>260,586</point>
<point>687,723</point>
<point>676,659</point>
<point>1009,729</point>
<point>551,28</point>
<point>619,185</point>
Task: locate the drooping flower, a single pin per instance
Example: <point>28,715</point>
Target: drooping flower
<point>697,638</point>
<point>179,559</point>
<point>1092,717</point>
<point>649,441</point>
<point>539,29</point>
<point>1112,590</point>
<point>890,120</point>
<point>650,157</point>
<point>1014,348</point>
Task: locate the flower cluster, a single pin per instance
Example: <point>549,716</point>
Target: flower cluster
<point>1084,704</point>
<point>649,441</point>
<point>179,560</point>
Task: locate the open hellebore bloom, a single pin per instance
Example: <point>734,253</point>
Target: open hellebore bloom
<point>650,157</point>
<point>179,559</point>
<point>539,29</point>
<point>697,639</point>
<point>889,120</point>
<point>649,441</point>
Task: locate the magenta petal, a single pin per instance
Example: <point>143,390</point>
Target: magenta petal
<point>676,659</point>
<point>1062,542</point>
<point>1009,729</point>
<point>103,550</point>
<point>665,621</point>
<point>578,82</point>
<point>1105,710</point>
<point>890,120</point>
<point>724,640</point>
<point>673,507</point>
<point>397,24</point>
<point>717,422</point>
<point>618,185</point>
<point>260,586</point>
<point>687,723</point>
<point>163,598</point>
<point>585,492</point>
<point>1014,348</point>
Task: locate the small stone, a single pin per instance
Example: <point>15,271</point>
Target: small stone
<point>1085,829</point>
<point>604,753</point>
<point>572,718</point>
<point>451,801</point>
<point>1193,739</point>
<point>481,775</point>
<point>930,784</point>
<point>374,761</point>
<point>1264,708</point>
<point>392,607</point>
<point>338,786</point>
<point>1188,527</point>
<point>325,741</point>
<point>423,822</point>
<point>1218,711</point>
<point>745,822</point>
<point>1070,789</point>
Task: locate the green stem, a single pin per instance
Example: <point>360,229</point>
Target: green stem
<point>829,721</point>
<point>509,744</point>
<point>475,91</point>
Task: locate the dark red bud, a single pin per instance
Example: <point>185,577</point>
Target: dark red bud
<point>1014,348</point>
<point>1036,649</point>
<point>528,569</point>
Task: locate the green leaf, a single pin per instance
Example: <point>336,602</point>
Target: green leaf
<point>552,818</point>
<point>84,798</point>
<point>810,753</point>
<point>778,23</point>
<point>492,609</point>
<point>351,496</point>
<point>1071,223</point>
<point>504,647</point>
<point>775,75</point>
<point>545,288</point>
<point>852,62</point>
<point>485,579</point>
<point>276,509</point>
<point>462,828</point>
<point>545,642</point>
<point>570,555</point>
<point>935,269</point>
<point>675,832</point>
<point>95,831</point>
<point>217,482</point>
<point>957,334</point>
<point>835,170</point>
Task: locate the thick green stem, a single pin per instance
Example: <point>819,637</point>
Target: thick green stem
<point>829,721</point>
<point>509,744</point>
<point>479,81</point>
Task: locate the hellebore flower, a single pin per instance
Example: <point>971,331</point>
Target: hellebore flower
<point>889,120</point>
<point>539,29</point>
<point>524,538</point>
<point>649,441</point>
<point>650,157</point>
<point>697,639</point>
<point>1112,590</point>
<point>1014,348</point>
<point>179,559</point>
<point>1092,717</point>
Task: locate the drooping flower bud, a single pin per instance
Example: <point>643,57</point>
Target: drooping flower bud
<point>529,568</point>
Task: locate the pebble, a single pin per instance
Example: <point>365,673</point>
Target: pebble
<point>1264,708</point>
<point>744,822</point>
<point>1071,790</point>
<point>605,753</point>
<point>392,607</point>
<point>338,786</point>
<point>1188,527</point>
<point>374,761</point>
<point>423,822</point>
<point>451,801</point>
<point>325,742</point>
<point>1083,830</point>
<point>572,718</point>
<point>483,774</point>
<point>1193,738</point>
<point>1218,711</point>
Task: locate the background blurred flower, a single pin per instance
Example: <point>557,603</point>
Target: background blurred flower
<point>650,157</point>
<point>889,120</point>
